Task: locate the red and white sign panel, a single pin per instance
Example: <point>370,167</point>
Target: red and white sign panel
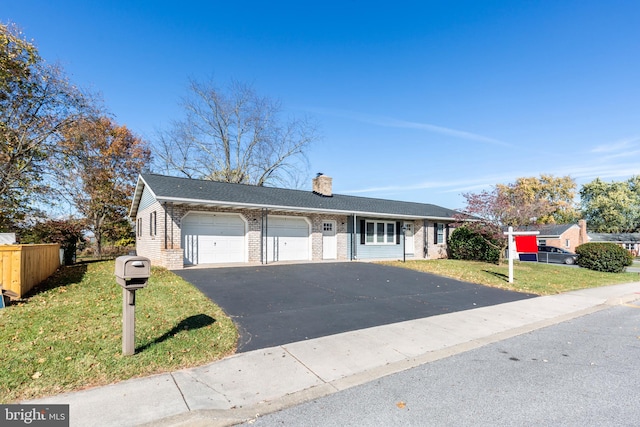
<point>527,248</point>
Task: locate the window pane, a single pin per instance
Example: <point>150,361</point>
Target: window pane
<point>440,233</point>
<point>370,230</point>
<point>391,232</point>
<point>380,232</point>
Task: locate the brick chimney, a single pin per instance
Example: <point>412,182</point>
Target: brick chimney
<point>322,185</point>
<point>584,238</point>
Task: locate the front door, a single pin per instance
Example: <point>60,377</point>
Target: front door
<point>329,241</point>
<point>408,238</point>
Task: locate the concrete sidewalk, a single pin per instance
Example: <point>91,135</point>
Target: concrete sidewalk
<point>240,387</point>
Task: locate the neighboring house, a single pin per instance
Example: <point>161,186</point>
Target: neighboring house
<point>181,222</point>
<point>629,241</point>
<point>565,236</point>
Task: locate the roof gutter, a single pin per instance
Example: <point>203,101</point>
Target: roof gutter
<point>292,208</point>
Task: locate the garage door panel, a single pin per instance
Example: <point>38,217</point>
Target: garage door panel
<point>288,239</point>
<point>211,239</point>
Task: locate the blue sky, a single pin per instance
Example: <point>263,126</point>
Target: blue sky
<point>418,101</point>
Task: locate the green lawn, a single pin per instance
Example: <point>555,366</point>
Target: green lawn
<point>530,277</point>
<point>68,335</point>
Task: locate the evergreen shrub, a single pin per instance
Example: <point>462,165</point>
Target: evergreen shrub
<point>473,245</point>
<point>606,257</point>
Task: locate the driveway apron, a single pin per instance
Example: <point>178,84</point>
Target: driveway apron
<point>278,304</point>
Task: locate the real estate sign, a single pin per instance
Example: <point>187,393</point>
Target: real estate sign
<point>527,247</point>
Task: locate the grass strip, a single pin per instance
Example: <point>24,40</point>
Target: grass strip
<point>67,335</point>
<point>529,277</point>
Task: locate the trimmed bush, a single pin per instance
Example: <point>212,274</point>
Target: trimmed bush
<point>467,244</point>
<point>606,257</point>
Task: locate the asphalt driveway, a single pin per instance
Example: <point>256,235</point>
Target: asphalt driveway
<point>279,304</point>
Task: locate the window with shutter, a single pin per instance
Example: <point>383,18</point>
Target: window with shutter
<point>439,227</point>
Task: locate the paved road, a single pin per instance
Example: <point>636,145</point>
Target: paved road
<point>583,372</point>
<point>279,304</point>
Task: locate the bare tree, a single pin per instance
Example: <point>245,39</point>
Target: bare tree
<point>235,135</point>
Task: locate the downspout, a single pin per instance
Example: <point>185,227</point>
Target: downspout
<point>263,236</point>
<point>172,219</point>
<point>165,226</point>
<point>425,237</point>
<point>354,243</point>
<point>266,233</point>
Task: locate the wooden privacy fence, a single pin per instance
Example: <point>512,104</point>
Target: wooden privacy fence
<point>24,266</point>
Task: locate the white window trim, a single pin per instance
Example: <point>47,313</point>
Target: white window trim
<point>439,233</point>
<point>375,233</point>
<point>153,224</point>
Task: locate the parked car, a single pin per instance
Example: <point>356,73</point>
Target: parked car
<point>549,254</point>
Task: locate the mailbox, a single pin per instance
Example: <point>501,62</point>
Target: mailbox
<point>132,272</point>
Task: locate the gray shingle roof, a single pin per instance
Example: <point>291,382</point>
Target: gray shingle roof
<point>184,190</point>
<point>615,237</point>
<point>547,230</point>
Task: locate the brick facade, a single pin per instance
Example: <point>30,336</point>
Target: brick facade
<point>435,250</point>
<point>162,243</point>
<point>431,250</point>
<point>570,239</point>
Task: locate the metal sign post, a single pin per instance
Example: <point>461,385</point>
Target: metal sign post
<point>510,235</point>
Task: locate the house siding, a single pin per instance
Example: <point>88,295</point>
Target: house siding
<point>423,247</point>
<point>376,251</point>
<point>149,245</point>
<point>146,199</point>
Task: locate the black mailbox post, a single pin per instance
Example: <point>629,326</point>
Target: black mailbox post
<point>132,273</point>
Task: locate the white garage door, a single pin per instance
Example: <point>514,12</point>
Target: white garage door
<point>287,239</point>
<point>213,238</point>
